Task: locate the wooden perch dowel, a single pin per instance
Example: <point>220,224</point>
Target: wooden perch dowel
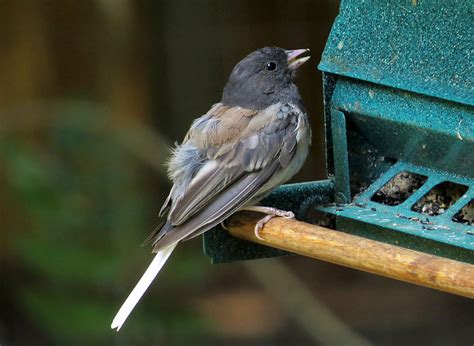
<point>357,252</point>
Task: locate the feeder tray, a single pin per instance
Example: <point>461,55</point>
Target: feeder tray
<point>399,120</point>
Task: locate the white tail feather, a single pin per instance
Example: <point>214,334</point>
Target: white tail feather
<point>142,285</point>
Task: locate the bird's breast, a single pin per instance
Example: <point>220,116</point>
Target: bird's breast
<point>303,140</point>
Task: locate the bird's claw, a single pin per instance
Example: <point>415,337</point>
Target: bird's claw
<point>276,212</point>
<point>260,224</point>
<point>271,213</point>
<point>287,214</point>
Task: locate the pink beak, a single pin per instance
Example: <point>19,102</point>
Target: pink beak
<point>292,57</point>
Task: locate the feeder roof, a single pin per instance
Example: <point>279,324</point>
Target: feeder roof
<point>422,46</point>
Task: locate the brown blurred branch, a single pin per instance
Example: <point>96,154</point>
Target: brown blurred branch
<point>135,135</point>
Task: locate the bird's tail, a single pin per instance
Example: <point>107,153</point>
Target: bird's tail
<point>152,271</point>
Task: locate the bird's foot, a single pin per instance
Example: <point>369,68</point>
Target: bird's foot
<point>271,213</point>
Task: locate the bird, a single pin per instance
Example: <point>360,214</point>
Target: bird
<point>255,139</point>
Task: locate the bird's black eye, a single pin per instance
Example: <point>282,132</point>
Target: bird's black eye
<point>270,66</point>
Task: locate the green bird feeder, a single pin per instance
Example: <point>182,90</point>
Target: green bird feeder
<point>399,118</point>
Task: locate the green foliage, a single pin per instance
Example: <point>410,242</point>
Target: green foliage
<point>87,207</point>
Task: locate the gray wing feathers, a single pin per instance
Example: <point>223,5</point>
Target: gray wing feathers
<point>223,205</point>
<point>225,177</point>
<point>211,180</point>
<point>234,160</point>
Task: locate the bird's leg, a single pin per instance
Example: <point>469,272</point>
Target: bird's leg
<point>271,213</point>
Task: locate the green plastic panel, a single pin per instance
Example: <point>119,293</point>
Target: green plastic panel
<point>423,46</point>
<point>420,129</point>
<point>400,225</point>
<point>388,131</point>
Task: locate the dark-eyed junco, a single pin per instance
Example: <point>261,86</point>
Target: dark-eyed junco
<point>251,142</point>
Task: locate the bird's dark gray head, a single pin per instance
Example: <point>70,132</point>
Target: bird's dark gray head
<point>263,78</point>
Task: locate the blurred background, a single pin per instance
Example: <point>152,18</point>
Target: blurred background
<point>92,96</point>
